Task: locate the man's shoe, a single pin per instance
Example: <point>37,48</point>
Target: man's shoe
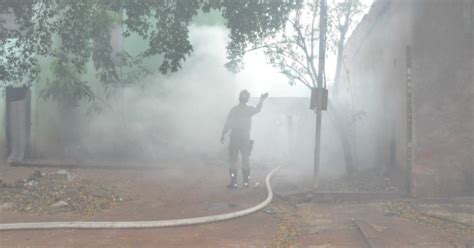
<point>233,179</point>
<point>246,178</point>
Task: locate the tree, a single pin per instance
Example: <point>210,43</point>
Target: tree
<point>343,19</point>
<point>294,52</point>
<point>82,29</point>
<point>73,33</point>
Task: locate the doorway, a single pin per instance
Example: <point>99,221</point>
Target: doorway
<point>18,123</point>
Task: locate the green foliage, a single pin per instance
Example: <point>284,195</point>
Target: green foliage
<point>252,23</point>
<point>30,35</point>
<point>75,33</point>
<point>66,86</point>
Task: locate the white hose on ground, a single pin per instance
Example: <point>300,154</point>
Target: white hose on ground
<point>144,224</point>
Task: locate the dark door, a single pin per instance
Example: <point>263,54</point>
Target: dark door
<point>18,123</point>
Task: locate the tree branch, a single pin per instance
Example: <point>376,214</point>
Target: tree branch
<point>288,74</point>
<point>312,32</point>
<point>308,70</point>
<point>303,47</point>
<point>300,74</point>
<point>266,46</point>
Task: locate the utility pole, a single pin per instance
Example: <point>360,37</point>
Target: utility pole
<point>321,87</point>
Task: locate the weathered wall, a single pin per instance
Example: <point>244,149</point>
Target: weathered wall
<point>471,163</point>
<point>375,68</point>
<point>440,36</point>
<point>444,127</point>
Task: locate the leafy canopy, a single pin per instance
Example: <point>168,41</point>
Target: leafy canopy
<point>73,33</point>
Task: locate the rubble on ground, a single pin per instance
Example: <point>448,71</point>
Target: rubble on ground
<point>287,231</point>
<point>366,180</point>
<point>57,192</point>
<point>405,209</point>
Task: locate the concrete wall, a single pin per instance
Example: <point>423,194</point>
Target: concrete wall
<point>439,34</point>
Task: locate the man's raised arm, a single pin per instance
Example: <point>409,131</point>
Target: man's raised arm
<point>258,108</point>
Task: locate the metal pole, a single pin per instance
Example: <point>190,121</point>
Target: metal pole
<point>317,147</point>
<point>322,56</point>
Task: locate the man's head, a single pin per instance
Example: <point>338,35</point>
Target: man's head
<point>244,96</point>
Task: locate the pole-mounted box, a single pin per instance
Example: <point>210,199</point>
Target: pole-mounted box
<point>319,96</point>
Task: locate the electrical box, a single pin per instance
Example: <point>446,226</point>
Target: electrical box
<point>319,96</point>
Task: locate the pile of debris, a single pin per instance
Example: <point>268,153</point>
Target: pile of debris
<point>57,192</point>
<point>367,180</point>
<point>407,210</point>
<point>287,232</point>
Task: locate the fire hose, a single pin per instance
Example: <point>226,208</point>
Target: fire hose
<point>145,224</point>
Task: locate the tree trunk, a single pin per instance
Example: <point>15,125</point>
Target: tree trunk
<point>344,138</point>
<point>340,47</point>
<point>337,76</point>
<point>343,133</point>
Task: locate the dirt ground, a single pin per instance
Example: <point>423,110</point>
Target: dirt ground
<point>170,192</point>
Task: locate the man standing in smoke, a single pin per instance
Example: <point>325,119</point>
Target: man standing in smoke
<point>239,122</point>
